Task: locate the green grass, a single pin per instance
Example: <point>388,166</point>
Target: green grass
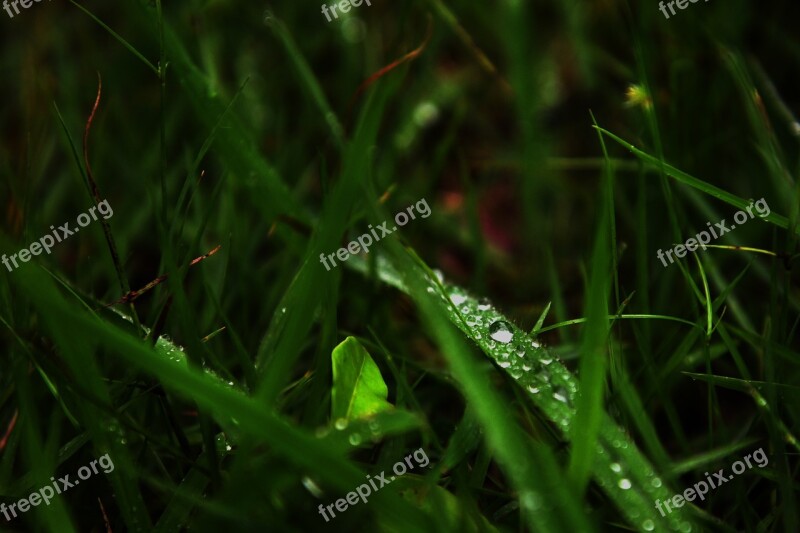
<point>525,335</point>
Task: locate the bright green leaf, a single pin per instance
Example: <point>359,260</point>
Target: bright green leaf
<point>358,387</point>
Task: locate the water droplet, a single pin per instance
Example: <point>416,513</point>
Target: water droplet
<point>439,275</point>
<point>430,290</point>
<point>536,344</point>
<point>355,439</point>
<point>656,482</point>
<point>520,351</point>
<point>530,500</point>
<point>560,394</point>
<point>533,389</point>
<point>340,424</point>
<point>624,484</point>
<point>615,467</point>
<point>546,360</point>
<point>465,309</point>
<point>648,525</point>
<point>686,527</point>
<point>312,487</point>
<point>484,304</point>
<point>457,299</point>
<point>526,366</point>
<point>544,375</point>
<point>501,332</point>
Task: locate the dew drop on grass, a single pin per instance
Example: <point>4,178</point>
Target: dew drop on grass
<point>516,372</point>
<point>656,482</point>
<point>504,364</point>
<point>546,360</point>
<point>501,331</point>
<point>484,304</point>
<point>533,389</point>
<point>520,351</point>
<point>648,525</point>
<point>340,424</point>
<point>457,299</point>
<point>616,467</point>
<point>355,439</point>
<point>312,487</point>
<point>624,484</point>
<point>560,394</point>
<point>530,500</point>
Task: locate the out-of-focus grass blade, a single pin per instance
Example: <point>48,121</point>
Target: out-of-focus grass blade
<point>448,511</point>
<point>210,393</point>
<point>184,499</point>
<point>307,78</point>
<point>711,456</point>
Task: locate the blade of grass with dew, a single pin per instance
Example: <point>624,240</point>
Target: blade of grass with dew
<point>530,466</point>
<point>620,469</point>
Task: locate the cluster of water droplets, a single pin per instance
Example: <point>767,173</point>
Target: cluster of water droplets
<point>522,357</point>
<point>634,481</point>
<point>170,350</point>
<point>356,432</point>
<point>554,390</point>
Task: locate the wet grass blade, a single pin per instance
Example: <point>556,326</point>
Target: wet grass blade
<point>619,468</point>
